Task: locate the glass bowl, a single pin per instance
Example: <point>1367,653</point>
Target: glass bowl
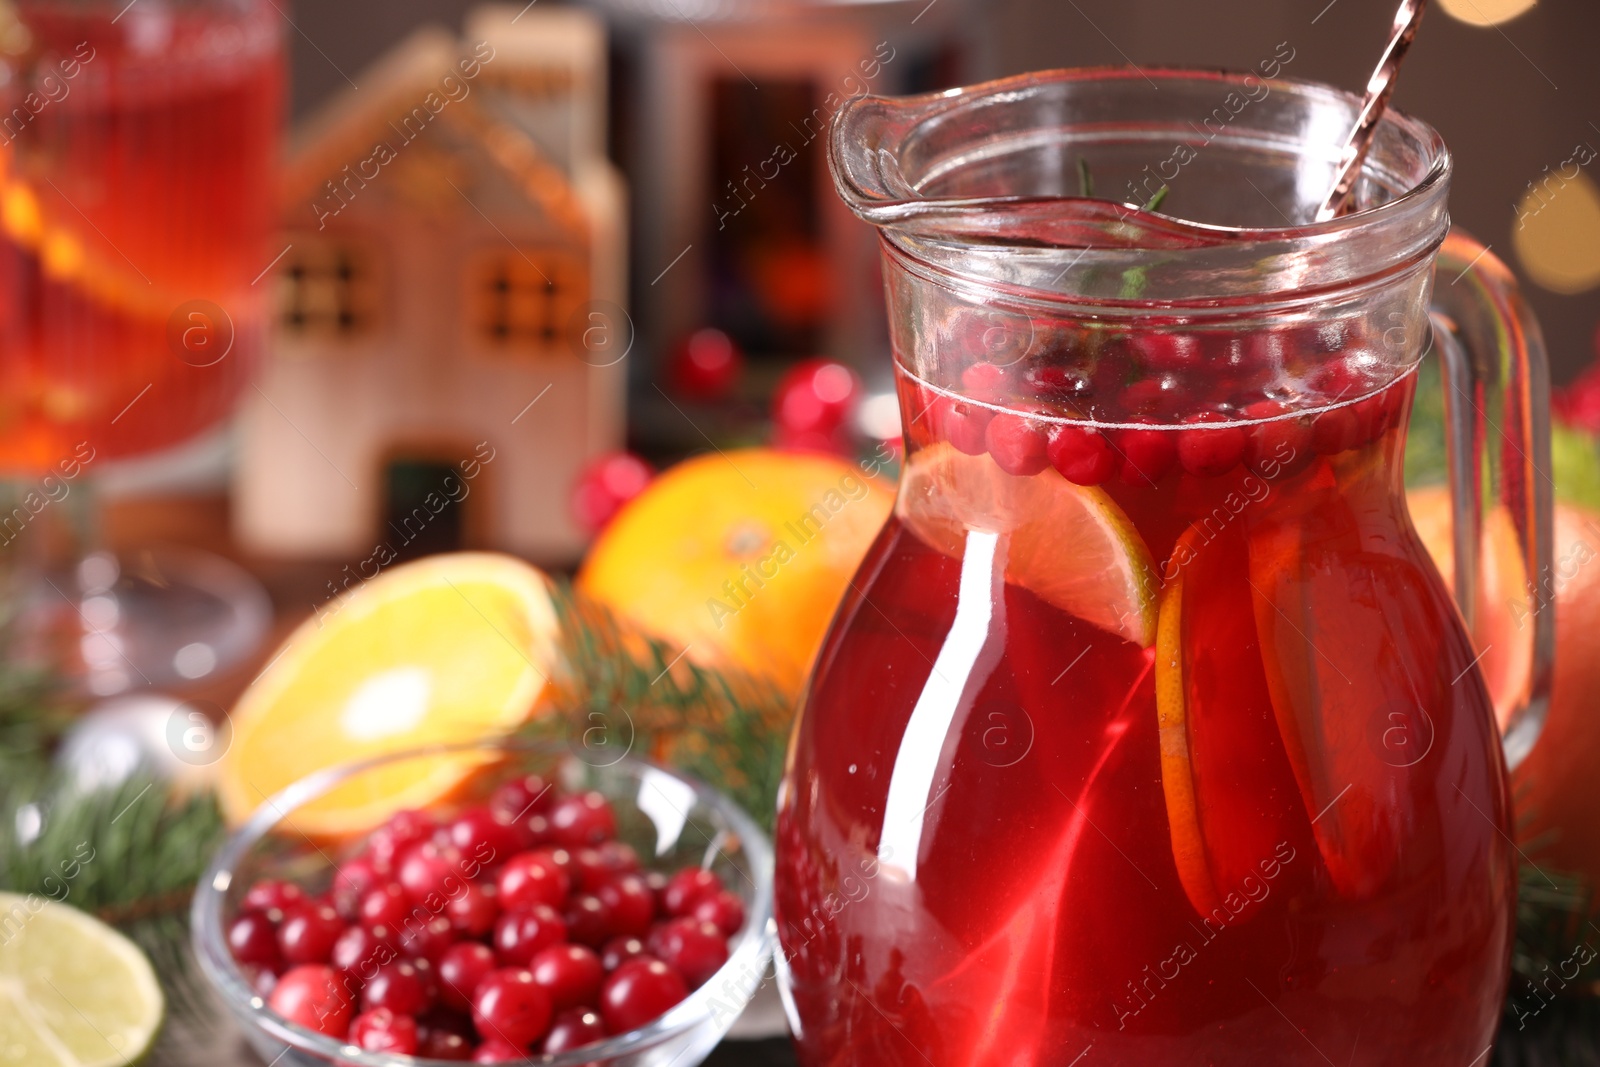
<point>671,820</point>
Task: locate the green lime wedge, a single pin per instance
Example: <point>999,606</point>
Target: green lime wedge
<point>73,991</point>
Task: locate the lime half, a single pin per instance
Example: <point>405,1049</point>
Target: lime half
<point>1069,545</point>
<point>73,991</point>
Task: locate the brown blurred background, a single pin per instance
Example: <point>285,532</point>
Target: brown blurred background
<point>1514,100</point>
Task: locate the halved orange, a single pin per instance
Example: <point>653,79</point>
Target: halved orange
<point>1069,545</point>
<point>740,558</point>
<point>1231,796</point>
<point>449,649</point>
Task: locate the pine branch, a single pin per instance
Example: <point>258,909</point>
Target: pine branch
<point>623,690</point>
<point>130,855</point>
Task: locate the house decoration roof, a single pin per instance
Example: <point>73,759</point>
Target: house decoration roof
<point>358,119</point>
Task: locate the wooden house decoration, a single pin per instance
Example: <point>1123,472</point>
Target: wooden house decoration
<point>450,338</point>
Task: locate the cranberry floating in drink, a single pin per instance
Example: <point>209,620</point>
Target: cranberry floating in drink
<point>1148,728</point>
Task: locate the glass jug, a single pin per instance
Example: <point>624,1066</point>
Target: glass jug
<point>1149,732</point>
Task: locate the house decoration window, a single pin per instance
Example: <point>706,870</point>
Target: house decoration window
<point>329,290</point>
<point>526,301</point>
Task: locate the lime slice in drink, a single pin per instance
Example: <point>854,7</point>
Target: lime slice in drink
<point>73,991</point>
<point>1069,545</point>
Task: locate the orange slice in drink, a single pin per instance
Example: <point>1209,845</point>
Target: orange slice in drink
<point>1232,801</point>
<point>1360,656</point>
<point>1069,545</point>
<point>453,648</point>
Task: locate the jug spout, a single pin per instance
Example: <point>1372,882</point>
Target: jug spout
<point>880,159</point>
<point>1045,182</point>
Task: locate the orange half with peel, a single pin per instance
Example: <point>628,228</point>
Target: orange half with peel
<point>453,648</point>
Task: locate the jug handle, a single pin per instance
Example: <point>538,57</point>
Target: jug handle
<point>1497,435</point>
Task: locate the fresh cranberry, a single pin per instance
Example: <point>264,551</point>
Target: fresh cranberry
<point>1017,444</point>
<point>989,334</point>
<point>530,878</point>
<point>445,1045</point>
<point>1207,452</point>
<point>637,992</point>
<point>508,1004</point>
<point>1336,430</point>
<point>586,819</point>
<point>815,396</point>
<point>430,871</point>
<point>532,830</point>
<point>685,889</point>
<point>252,938</point>
<point>361,950</point>
<point>1082,456</point>
<point>705,365</point>
<point>420,940</point>
<point>1265,351</point>
<point>474,911</point>
<point>1153,397</point>
<point>1061,385</point>
<point>381,1030</point>
<point>574,1029</point>
<point>390,841</point>
<point>618,857</point>
<point>481,836</point>
<point>1165,351</point>
<point>355,878</point>
<point>1276,447</point>
<point>1145,455</point>
<point>449,1032</point>
<point>657,882</point>
<point>308,932</point>
<point>986,381</point>
<point>589,869</point>
<point>562,858</point>
<point>384,905</point>
<point>693,948</point>
<point>964,424</point>
<point>588,919</point>
<point>399,987</point>
<point>272,896</point>
<point>495,1050</point>
<point>260,979</point>
<point>313,996</point>
<point>619,950</point>
<point>461,968</point>
<point>629,903</point>
<point>519,935</point>
<point>571,974</point>
<point>521,796</point>
<point>723,910</point>
<point>1376,412</point>
<point>604,485</point>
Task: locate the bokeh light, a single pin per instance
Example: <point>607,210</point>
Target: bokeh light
<point>1558,236</point>
<point>1486,12</point>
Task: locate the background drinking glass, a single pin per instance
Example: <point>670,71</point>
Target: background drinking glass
<point>138,147</point>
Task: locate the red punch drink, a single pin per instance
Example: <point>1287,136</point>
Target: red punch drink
<point>137,155</point>
<point>1149,732</point>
